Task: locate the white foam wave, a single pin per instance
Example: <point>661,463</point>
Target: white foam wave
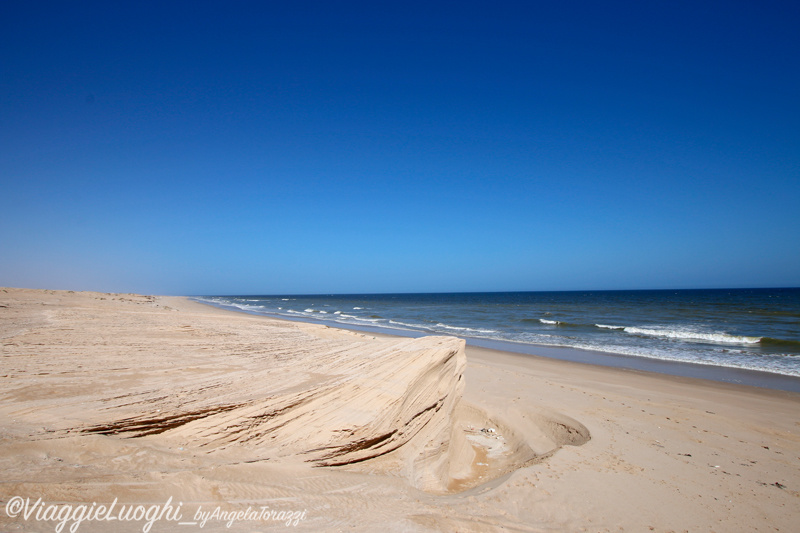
<point>357,321</point>
<point>415,326</point>
<point>731,359</point>
<point>356,308</point>
<point>687,334</point>
<point>309,310</point>
<point>604,326</point>
<point>550,322</point>
<point>456,328</point>
<point>245,307</point>
<point>727,358</point>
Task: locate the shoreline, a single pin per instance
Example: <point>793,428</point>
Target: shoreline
<point>141,399</point>
<point>716,373</point>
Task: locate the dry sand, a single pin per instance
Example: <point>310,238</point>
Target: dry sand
<point>140,399</point>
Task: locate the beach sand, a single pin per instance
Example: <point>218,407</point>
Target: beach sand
<point>146,400</point>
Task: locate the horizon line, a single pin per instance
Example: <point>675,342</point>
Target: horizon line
<point>495,292</point>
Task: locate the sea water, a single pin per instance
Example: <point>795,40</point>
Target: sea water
<point>753,329</point>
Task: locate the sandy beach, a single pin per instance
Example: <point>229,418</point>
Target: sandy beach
<point>149,402</point>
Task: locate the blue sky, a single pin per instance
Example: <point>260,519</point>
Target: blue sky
<point>324,147</point>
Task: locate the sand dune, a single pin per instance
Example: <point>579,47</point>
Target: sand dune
<point>144,398</point>
<point>134,380</point>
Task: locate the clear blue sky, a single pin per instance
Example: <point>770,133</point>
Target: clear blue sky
<point>331,147</point>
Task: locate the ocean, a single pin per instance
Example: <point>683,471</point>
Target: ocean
<point>751,329</point>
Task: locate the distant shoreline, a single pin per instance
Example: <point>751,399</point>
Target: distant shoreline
<point>737,376</point>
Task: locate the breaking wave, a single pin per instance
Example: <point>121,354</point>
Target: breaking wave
<point>694,335</point>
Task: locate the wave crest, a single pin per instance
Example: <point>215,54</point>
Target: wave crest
<point>716,337</point>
